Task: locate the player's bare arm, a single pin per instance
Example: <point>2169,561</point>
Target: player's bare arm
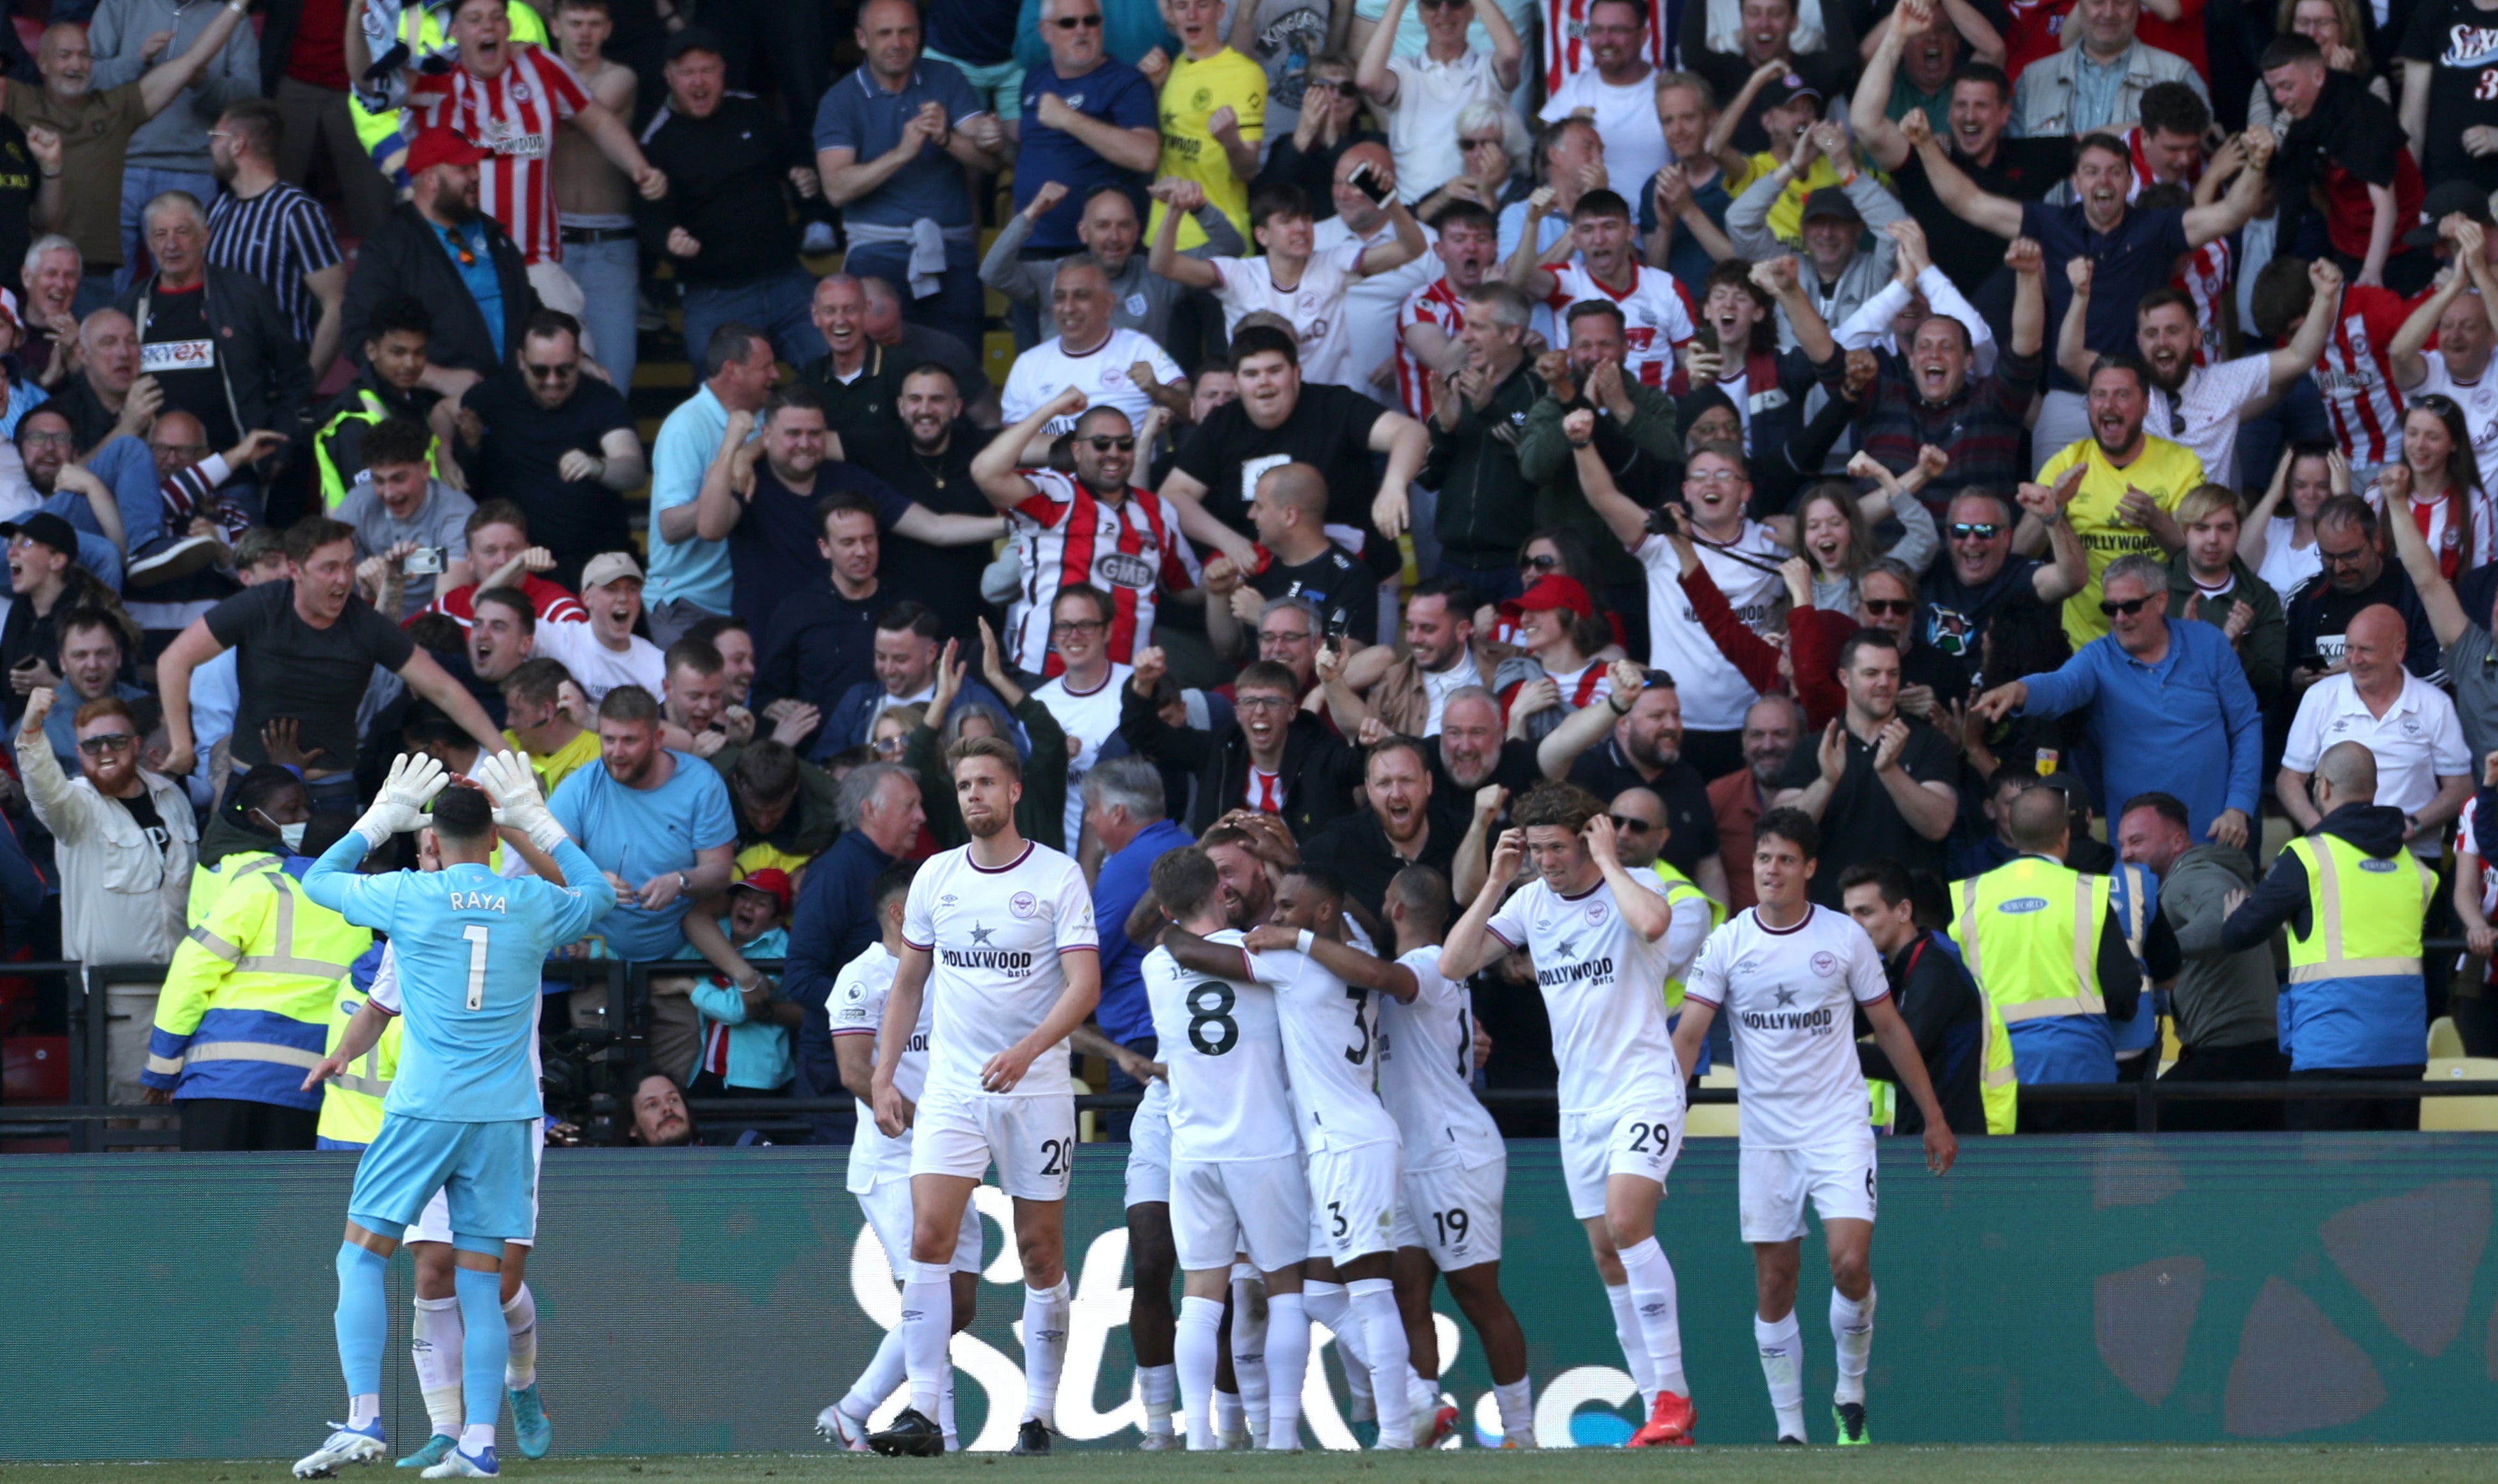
<point>901,1018</point>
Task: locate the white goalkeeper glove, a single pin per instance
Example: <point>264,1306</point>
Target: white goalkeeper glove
<point>513,784</point>
<point>414,780</point>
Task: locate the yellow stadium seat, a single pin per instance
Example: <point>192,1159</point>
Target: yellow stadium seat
<point>2444,1041</point>
<point>1711,1120</point>
<point>2460,1113</point>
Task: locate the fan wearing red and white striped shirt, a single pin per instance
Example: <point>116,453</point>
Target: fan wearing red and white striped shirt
<point>1429,320</point>
<point>2356,374</point>
<point>1094,529</point>
<point>1657,317</point>
<point>1566,40</point>
<point>510,100</point>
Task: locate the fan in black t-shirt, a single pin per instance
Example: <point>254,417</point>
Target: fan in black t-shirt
<point>1289,512</point>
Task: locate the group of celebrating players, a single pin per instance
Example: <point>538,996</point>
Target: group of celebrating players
<point>1312,1113</point>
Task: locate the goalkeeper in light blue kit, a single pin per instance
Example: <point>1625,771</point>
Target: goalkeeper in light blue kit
<point>471,945</point>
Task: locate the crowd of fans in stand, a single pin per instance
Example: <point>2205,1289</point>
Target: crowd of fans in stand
<point>1882,409</point>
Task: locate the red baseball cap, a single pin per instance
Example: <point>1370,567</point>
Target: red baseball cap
<point>1552,590</point>
<point>772,882</point>
<point>440,147</point>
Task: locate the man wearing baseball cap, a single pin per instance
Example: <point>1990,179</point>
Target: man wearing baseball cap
<point>1831,221</point>
<point>744,1020</point>
<point>41,550</point>
<point>438,249</point>
<point>605,653</point>
<point>1821,59</point>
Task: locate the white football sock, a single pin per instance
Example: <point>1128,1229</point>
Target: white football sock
<point>884,1371</point>
<point>1156,1386</point>
<point>433,1343</point>
<point>521,1326</point>
<point>945,1413</point>
<point>1852,1330</point>
<point>1228,1416</point>
<point>1634,1346</point>
<point>1045,1350</point>
<point>927,1323</point>
<point>365,1409</point>
<point>1517,1402</point>
<point>476,1437</point>
<point>1423,1392</point>
<point>1327,1303</point>
<point>1288,1361</point>
<point>1782,1366</point>
<point>1652,1297</point>
<point>1249,1347</point>
<point>1383,1345</point>
<point>1194,1346</point>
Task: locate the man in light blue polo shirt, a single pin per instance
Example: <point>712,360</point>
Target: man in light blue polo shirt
<point>656,822</point>
<point>689,576</point>
<point>896,142</point>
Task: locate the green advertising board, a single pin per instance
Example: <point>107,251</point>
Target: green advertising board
<point>2181,1288</point>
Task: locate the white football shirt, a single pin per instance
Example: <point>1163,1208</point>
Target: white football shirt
<point>1714,694</point>
<point>1600,982</point>
<point>857,1008</point>
<point>1625,118</point>
<point>1090,719</point>
<point>1331,1047</point>
<point>1427,1071</point>
<point>1225,1049</point>
<point>996,933</point>
<point>1314,308</point>
<point>1791,999</point>
<point>1101,373</point>
<point>1657,312</point>
<point>2478,400</point>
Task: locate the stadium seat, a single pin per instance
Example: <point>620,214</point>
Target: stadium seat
<point>2479,1114</point>
<point>2444,1041</point>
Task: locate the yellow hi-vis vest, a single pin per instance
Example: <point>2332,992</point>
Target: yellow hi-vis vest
<point>2028,933</point>
<point>208,882</point>
<point>1677,887</point>
<point>1998,1084</point>
<point>246,1003</point>
<point>2356,998</point>
<point>351,1104</point>
<point>385,135</point>
<point>369,410</point>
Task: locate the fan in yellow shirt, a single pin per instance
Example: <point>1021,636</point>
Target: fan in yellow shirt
<point>2130,483</point>
<point>1213,113</point>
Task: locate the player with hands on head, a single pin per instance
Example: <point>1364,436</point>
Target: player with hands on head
<point>1603,940</point>
<point>1794,978</point>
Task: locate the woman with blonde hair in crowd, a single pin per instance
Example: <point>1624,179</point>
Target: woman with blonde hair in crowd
<point>2278,540</point>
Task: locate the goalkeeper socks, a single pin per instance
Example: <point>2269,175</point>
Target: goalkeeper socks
<point>1044,1349</point>
<point>927,1322</point>
<point>1652,1297</point>
<point>1288,1360</point>
<point>1156,1388</point>
<point>1383,1347</point>
<point>520,1334</point>
<point>362,1319</point>
<point>434,1344</point>
<point>1852,1330</point>
<point>1781,1344</point>
<point>1192,1357</point>
<point>1634,1342</point>
<point>481,1363</point>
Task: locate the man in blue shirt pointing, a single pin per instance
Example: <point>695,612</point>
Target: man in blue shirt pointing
<point>469,945</point>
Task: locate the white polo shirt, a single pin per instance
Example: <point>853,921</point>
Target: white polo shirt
<point>1423,127</point>
<point>2417,742</point>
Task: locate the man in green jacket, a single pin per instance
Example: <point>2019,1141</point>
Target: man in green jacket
<point>1637,436</point>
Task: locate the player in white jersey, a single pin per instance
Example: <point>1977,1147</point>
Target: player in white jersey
<point>879,1167</point>
<point>1794,977</point>
<point>1603,938</point>
<point>1323,989</point>
<point>1455,1165</point>
<point>1236,1177</point>
<point>998,934</point>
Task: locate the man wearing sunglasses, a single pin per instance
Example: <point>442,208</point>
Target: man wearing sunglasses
<point>556,442</point>
<point>1983,573</point>
<point>1087,120</point>
<point>2158,693</point>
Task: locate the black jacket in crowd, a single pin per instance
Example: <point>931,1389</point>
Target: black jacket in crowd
<point>405,255</point>
<point>1320,768</point>
<point>268,380</point>
<point>728,186</point>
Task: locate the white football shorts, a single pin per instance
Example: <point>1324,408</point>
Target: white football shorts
<point>1629,1138</point>
<point>1454,1213</point>
<point>1353,1200</point>
<point>1774,1184</point>
<point>1150,1155</point>
<point>1221,1208</point>
<point>887,1207</point>
<point>1032,1139</point>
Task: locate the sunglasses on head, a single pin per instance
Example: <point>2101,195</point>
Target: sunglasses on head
<point>1900,606</point>
<point>2127,608</point>
<point>1982,531</point>
<point>1625,823</point>
<point>1073,22</point>
<point>1104,443</point>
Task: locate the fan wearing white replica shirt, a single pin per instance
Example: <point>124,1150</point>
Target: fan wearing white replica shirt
<point>999,934</point>
<point>879,1167</point>
<point>1323,988</point>
<point>1600,260</point>
<point>1794,977</point>
<point>1236,1177</point>
<point>1307,290</point>
<point>1602,941</point>
<point>1092,356</point>
<point>1084,699</point>
<point>2463,317</point>
<point>1456,1164</point>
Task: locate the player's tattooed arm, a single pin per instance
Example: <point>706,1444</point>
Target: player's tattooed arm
<point>1347,963</point>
